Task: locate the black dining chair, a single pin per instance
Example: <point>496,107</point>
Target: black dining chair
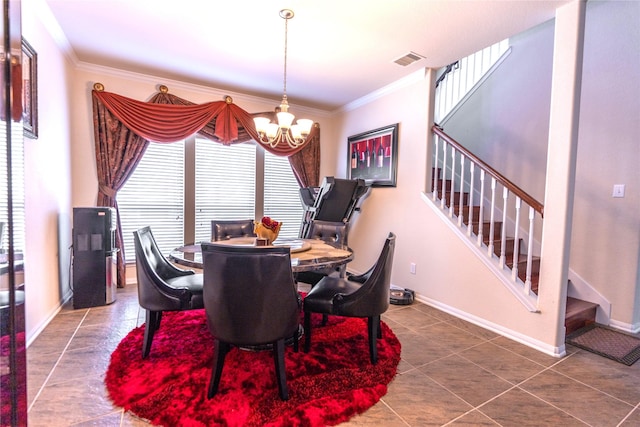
<point>161,285</point>
<point>363,296</point>
<point>251,300</point>
<point>331,232</point>
<point>227,229</point>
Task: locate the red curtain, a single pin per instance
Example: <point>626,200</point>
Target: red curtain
<point>123,128</point>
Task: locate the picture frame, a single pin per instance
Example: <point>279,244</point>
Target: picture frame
<point>373,156</point>
<point>29,90</point>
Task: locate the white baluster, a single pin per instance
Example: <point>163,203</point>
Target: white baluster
<point>434,184</point>
<point>516,242</point>
<point>503,228</point>
<point>492,218</point>
<point>453,182</point>
<point>460,204</point>
<point>471,187</point>
<point>527,283</point>
<point>444,174</point>
<point>481,213</point>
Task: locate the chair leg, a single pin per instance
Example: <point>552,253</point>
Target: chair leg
<point>220,351</point>
<point>296,340</point>
<point>373,324</point>
<point>281,375</point>
<point>152,323</point>
<point>307,331</point>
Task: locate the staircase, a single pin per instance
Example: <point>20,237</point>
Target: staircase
<point>578,313</point>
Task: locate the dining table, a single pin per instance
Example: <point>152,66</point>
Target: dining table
<point>306,254</point>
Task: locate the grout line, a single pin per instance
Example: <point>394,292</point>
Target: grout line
<point>46,380</point>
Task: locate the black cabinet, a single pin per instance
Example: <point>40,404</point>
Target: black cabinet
<point>94,257</point>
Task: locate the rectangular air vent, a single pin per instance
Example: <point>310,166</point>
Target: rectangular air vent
<point>408,59</point>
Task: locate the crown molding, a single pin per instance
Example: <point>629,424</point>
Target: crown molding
<point>49,21</point>
<point>412,78</point>
<point>173,84</point>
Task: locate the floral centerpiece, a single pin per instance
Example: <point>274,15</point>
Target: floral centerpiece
<point>267,229</point>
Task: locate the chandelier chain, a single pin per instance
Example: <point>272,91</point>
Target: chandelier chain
<point>286,32</point>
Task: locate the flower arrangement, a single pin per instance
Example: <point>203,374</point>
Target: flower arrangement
<point>267,229</point>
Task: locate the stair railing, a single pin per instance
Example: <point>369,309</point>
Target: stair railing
<point>456,192</point>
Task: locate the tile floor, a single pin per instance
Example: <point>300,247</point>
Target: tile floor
<point>451,373</point>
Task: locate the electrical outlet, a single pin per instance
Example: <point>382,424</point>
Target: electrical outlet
<point>412,268</point>
<point>618,190</point>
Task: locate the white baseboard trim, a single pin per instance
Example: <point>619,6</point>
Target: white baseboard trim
<point>498,329</point>
<point>625,327</point>
<point>37,331</point>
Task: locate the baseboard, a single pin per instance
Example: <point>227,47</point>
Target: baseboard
<point>498,329</point>
<point>41,327</point>
<point>625,327</point>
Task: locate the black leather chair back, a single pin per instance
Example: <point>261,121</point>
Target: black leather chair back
<point>337,199</point>
<point>160,287</point>
<point>227,229</point>
<point>249,293</point>
<point>334,232</point>
<point>373,296</point>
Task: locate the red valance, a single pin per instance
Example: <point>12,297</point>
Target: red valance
<point>167,118</point>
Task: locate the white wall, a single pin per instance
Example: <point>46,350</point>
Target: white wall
<point>47,181</point>
<point>605,245</point>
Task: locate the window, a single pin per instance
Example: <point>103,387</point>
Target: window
<point>225,184</point>
<point>282,194</point>
<point>17,166</point>
<point>214,182</point>
<point>154,196</point>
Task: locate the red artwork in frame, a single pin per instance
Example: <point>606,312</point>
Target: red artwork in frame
<point>373,156</point>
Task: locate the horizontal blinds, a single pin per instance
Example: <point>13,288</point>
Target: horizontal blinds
<point>282,195</point>
<point>17,165</point>
<point>225,184</point>
<point>154,196</point>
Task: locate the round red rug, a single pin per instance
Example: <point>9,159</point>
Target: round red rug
<point>327,386</point>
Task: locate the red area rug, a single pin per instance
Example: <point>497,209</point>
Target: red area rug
<point>327,386</point>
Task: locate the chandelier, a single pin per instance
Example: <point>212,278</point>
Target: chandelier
<point>272,133</point>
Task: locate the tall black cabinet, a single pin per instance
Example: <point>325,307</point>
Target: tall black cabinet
<point>94,257</point>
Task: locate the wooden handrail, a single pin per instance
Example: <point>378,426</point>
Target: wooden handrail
<point>536,205</point>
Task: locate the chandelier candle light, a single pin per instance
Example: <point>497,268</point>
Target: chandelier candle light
<point>273,133</point>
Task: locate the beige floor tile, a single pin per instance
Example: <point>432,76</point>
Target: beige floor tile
<point>502,362</point>
<point>411,318</point>
<point>450,337</point>
<point>473,419</point>
<point>419,401</point>
<point>609,376</point>
<point>581,401</point>
<point>465,379</point>
<point>517,408</point>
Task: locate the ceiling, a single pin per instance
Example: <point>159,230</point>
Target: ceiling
<point>338,50</point>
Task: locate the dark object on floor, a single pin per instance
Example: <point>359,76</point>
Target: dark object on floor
<point>606,342</point>
<point>341,297</point>
<point>401,296</point>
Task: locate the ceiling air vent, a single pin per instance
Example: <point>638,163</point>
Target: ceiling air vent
<point>408,59</point>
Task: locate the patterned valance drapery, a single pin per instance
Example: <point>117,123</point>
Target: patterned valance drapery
<point>124,127</point>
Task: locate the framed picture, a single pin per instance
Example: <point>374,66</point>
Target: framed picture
<point>373,156</point>
<point>29,90</point>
